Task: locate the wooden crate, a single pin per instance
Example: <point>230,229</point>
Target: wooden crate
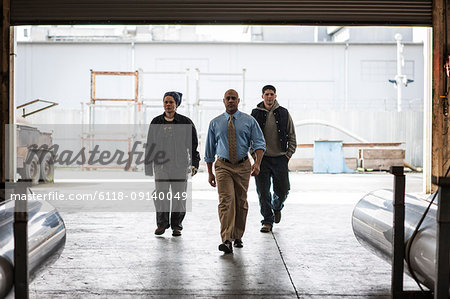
<point>351,163</point>
<point>298,164</point>
<point>380,159</point>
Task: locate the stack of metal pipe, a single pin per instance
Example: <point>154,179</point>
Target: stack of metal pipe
<point>372,222</point>
<point>46,239</point>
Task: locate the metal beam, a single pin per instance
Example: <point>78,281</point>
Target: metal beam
<point>398,244</point>
<point>21,273</point>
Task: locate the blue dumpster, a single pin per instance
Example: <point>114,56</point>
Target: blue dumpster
<point>329,157</point>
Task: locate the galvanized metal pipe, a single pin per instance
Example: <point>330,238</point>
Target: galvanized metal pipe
<point>372,226</point>
<point>46,239</point>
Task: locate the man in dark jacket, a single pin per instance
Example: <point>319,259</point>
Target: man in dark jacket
<point>175,136</point>
<point>279,133</point>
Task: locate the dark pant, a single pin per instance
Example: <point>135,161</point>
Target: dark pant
<point>170,203</point>
<point>272,169</point>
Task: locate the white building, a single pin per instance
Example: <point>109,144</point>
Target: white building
<point>336,74</point>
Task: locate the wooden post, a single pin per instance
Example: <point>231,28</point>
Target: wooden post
<point>4,85</point>
<point>440,136</point>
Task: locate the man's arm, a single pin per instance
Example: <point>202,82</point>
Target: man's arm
<point>252,151</point>
<point>211,176</point>
<point>256,166</point>
<point>195,155</point>
<point>259,144</point>
<point>148,161</point>
<point>210,152</point>
<point>292,140</point>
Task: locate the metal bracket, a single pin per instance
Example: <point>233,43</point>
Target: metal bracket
<point>447,66</point>
<point>445,106</point>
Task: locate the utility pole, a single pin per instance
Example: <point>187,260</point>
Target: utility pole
<point>399,78</point>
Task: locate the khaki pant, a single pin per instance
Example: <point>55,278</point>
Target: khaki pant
<point>232,185</point>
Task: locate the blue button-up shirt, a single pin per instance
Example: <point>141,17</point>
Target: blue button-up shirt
<point>248,133</point>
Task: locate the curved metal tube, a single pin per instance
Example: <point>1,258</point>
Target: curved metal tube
<point>372,225</point>
<point>327,124</point>
<point>46,239</point>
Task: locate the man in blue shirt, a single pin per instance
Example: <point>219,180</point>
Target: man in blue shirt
<point>230,136</point>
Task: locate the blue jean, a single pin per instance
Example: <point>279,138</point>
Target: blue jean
<point>272,169</point>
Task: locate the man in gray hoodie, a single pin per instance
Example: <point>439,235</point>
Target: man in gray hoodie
<point>279,133</point>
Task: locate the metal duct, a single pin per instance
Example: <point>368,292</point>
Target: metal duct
<point>46,239</point>
<point>372,225</point>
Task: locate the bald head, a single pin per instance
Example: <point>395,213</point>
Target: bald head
<point>231,101</point>
<point>231,91</point>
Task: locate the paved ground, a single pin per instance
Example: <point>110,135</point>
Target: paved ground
<point>312,253</point>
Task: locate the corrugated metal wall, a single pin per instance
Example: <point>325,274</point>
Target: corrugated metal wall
<point>325,12</point>
<point>375,126</point>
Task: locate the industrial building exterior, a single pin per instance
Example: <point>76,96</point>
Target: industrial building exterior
<point>312,253</point>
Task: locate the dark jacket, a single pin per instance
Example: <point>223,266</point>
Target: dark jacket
<point>155,142</point>
<point>281,115</point>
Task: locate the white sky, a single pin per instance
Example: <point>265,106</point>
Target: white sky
<point>224,32</point>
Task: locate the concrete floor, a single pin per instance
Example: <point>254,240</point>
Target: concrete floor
<point>312,253</point>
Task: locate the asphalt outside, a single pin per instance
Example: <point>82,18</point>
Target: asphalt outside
<point>311,253</point>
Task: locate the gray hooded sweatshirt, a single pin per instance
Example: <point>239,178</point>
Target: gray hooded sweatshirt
<point>270,130</point>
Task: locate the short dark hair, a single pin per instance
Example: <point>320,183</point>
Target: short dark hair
<point>271,87</point>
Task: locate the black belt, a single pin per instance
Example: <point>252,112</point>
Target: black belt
<point>238,162</point>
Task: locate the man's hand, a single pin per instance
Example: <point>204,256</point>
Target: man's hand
<point>212,179</point>
<point>289,158</point>
<point>194,170</point>
<point>255,169</point>
<point>211,176</point>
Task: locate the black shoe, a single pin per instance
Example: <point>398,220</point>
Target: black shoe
<point>226,247</point>
<point>277,216</point>
<point>176,232</point>
<point>238,243</point>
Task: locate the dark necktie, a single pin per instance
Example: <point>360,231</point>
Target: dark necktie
<point>232,153</point>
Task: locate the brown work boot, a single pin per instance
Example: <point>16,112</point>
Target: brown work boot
<point>160,230</point>
<point>176,232</point>
<point>266,228</point>
<point>277,216</point>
